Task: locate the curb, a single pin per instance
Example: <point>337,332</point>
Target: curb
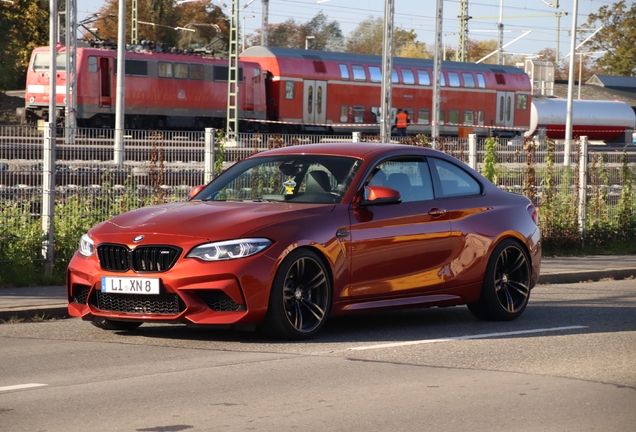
<point>50,311</point>
<point>586,276</point>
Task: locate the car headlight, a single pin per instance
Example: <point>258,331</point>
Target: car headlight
<point>87,246</point>
<point>231,249</point>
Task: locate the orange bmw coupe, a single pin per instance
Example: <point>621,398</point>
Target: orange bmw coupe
<point>288,237</point>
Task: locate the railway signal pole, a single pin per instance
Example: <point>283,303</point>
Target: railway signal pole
<point>387,72</point>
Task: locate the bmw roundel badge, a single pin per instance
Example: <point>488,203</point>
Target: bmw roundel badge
<point>138,238</point>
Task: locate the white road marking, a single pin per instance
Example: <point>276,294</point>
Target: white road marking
<point>479,336</point>
<point>21,386</point>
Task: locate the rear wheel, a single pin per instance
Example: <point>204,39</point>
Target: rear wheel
<point>300,299</point>
<point>506,288</point>
<point>106,324</point>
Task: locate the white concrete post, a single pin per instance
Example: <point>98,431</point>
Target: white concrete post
<point>472,151</point>
<point>209,157</point>
<point>356,137</point>
<point>583,185</point>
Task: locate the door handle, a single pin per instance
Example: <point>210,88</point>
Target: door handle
<point>435,212</point>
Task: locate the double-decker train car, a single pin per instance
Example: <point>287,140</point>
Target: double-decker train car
<point>324,90</point>
<point>294,90</point>
<point>162,90</point>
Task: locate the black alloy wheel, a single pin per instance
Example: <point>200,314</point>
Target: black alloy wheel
<point>506,288</point>
<point>301,297</point>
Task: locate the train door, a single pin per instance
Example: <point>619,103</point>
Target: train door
<point>315,102</point>
<point>505,109</point>
<point>104,82</point>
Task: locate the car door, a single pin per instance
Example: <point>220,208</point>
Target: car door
<point>402,248</point>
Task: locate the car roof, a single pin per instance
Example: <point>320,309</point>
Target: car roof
<point>360,150</point>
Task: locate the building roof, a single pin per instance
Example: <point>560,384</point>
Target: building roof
<point>596,92</point>
<point>613,81</point>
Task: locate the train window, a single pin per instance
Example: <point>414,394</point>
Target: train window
<point>134,67</point>
<point>409,112</point>
<point>289,89</point>
<point>196,71</point>
<point>442,79</point>
<point>469,117</point>
<point>221,73</point>
<point>344,113</point>
<point>181,70</point>
<point>408,77</point>
<point>358,73</point>
<point>469,80</point>
<point>423,116</point>
<point>310,99</point>
<point>501,79</point>
<point>359,113</point>
<point>423,77</point>
<point>442,117</point>
<point>481,117</point>
<point>164,70</point>
<point>522,102</point>
<point>257,75</point>
<point>92,64</point>
<point>374,114</point>
<point>453,79</point>
<point>318,99</point>
<point>42,60</point>
<point>481,82</point>
<point>344,72</point>
<point>375,75</point>
<point>501,108</point>
<point>395,78</point>
<point>453,117</point>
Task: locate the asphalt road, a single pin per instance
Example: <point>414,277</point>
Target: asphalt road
<point>568,364</point>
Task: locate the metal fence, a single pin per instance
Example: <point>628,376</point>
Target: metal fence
<point>162,166</point>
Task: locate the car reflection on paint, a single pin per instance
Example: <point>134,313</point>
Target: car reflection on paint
<point>289,237</point>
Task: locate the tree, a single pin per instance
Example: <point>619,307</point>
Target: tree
<point>327,35</point>
<point>24,27</point>
<point>480,49</point>
<point>200,16</point>
<point>415,50</point>
<point>367,37</point>
<point>617,38</point>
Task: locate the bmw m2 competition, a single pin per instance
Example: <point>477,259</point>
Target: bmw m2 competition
<point>288,237</point>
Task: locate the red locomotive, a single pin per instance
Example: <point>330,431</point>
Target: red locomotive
<point>293,90</point>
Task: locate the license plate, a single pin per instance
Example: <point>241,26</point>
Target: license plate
<point>130,285</point>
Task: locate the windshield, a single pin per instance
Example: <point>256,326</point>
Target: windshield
<point>290,178</point>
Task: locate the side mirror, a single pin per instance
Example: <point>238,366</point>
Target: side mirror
<point>379,195</point>
<point>194,191</point>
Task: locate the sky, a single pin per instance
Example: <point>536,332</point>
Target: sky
<point>419,15</point>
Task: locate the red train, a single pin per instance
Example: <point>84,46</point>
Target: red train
<point>293,90</point>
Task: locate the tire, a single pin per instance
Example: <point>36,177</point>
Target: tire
<point>106,324</point>
<point>506,288</point>
<point>300,299</point>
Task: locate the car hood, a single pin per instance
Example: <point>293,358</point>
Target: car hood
<point>213,220</point>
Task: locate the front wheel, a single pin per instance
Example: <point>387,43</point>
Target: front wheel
<point>506,288</point>
<point>300,299</point>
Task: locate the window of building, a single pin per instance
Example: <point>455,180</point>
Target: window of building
<point>423,116</point>
<point>423,77</point>
<point>453,79</point>
<point>344,72</point>
<point>408,77</point>
<point>289,89</point>
<point>358,73</point>
<point>375,74</point>
<point>469,80</point>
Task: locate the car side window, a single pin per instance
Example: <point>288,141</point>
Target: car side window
<point>453,180</point>
<point>410,177</point>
